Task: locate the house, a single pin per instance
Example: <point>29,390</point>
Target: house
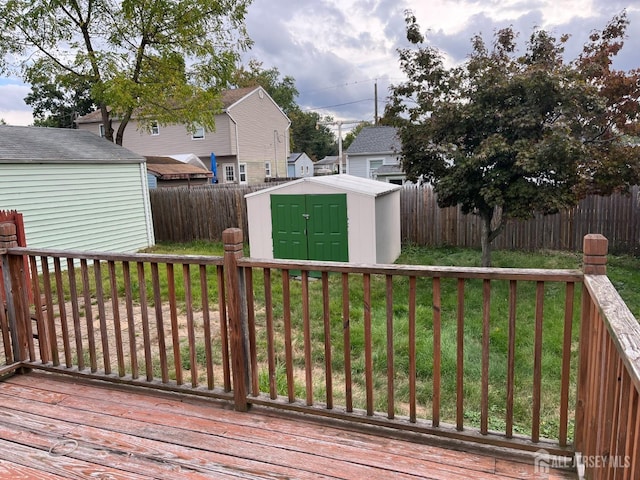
<point>299,165</point>
<point>250,142</point>
<point>75,190</point>
<point>375,153</point>
<point>170,172</point>
<point>327,166</point>
<point>334,217</point>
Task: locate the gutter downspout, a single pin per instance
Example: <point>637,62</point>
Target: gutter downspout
<point>237,166</point>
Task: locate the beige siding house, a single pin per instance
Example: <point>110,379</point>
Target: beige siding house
<point>250,143</point>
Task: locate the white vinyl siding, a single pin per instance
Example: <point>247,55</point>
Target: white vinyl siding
<point>101,207</point>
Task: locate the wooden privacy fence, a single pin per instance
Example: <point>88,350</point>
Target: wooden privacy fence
<point>394,346</point>
<point>182,214</point>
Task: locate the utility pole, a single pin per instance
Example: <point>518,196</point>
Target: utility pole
<point>375,99</point>
<point>339,123</point>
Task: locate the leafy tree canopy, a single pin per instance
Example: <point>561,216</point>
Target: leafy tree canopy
<point>282,90</point>
<point>167,60</point>
<point>508,134</point>
<point>311,135</point>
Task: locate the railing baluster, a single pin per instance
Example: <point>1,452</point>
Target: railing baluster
<point>41,325</point>
<point>157,303</point>
<point>251,323</point>
<point>286,306</point>
<point>566,363</point>
<point>104,333</point>
<point>53,336</point>
<point>537,363</point>
<point>88,312</point>
<point>306,321</point>
<point>412,350</point>
<point>206,320</point>
<point>486,314</point>
<point>346,338</point>
<point>437,352</point>
<point>133,349</point>
<point>460,357</point>
<point>390,353</point>
<point>191,333</point>
<point>327,343</point>
<point>368,354</point>
<point>271,356</point>
<point>175,328</point>
<point>144,315</point>
<point>511,356</point>
<point>224,331</point>
<point>117,327</point>
<point>62,311</point>
<point>75,313</point>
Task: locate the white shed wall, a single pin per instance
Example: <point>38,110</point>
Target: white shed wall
<point>388,233</point>
<point>102,207</point>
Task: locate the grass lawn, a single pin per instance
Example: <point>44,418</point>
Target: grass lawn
<point>623,271</point>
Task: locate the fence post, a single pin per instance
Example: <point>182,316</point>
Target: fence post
<point>594,262</point>
<point>16,290</point>
<point>237,315</point>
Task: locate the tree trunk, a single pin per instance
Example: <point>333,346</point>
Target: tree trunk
<point>485,240</point>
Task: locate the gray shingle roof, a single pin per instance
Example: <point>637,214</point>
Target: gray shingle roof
<point>380,139</point>
<point>38,144</point>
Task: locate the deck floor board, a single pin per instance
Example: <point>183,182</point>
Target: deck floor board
<point>57,427</point>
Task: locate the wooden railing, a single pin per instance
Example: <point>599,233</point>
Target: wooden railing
<point>607,439</point>
<point>395,346</point>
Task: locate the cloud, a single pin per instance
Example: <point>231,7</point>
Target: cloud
<point>13,110</point>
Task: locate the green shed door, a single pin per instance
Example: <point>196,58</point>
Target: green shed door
<point>289,227</point>
<point>327,227</point>
<point>310,227</point>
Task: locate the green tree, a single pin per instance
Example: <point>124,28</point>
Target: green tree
<point>311,135</point>
<point>57,104</point>
<point>282,90</point>
<point>506,135</point>
<point>165,60</point>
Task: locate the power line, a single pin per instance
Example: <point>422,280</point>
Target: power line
<point>340,104</point>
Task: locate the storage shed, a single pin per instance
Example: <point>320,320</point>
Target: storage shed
<point>77,191</point>
<point>332,218</point>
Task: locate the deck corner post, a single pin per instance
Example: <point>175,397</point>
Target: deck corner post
<point>237,315</point>
<point>594,262</point>
<point>594,254</point>
<point>16,291</point>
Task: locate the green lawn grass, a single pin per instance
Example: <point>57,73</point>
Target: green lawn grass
<point>623,271</point>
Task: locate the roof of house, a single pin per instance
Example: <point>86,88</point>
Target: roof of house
<point>378,139</point>
<point>59,145</point>
<point>168,168</point>
<point>229,98</point>
<point>328,160</point>
<point>294,157</point>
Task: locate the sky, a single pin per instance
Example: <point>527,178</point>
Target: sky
<point>338,51</point>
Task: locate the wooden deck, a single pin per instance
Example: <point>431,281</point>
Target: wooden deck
<point>60,427</point>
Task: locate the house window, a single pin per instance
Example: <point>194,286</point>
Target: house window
<point>242,172</point>
<point>155,128</point>
<point>198,133</point>
<point>229,174</point>
<point>373,167</point>
<point>267,169</point>
<point>101,131</point>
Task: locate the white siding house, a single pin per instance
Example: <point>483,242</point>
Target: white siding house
<point>299,165</point>
<point>375,154</point>
<point>75,190</point>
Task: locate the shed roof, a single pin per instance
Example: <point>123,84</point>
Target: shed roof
<point>59,145</point>
<point>168,168</point>
<point>343,182</point>
<point>379,139</point>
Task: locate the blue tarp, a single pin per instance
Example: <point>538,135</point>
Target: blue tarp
<point>214,168</point>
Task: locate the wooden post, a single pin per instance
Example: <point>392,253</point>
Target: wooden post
<point>594,262</point>
<point>594,254</point>
<point>237,315</point>
<point>16,291</point>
